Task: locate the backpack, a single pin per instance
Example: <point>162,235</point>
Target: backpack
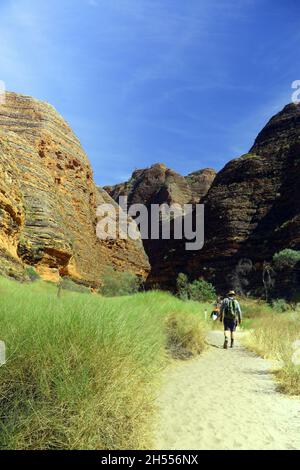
<point>231,309</point>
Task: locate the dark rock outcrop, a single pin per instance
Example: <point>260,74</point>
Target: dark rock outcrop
<point>48,200</point>
<point>252,210</point>
<point>158,185</point>
<point>200,183</point>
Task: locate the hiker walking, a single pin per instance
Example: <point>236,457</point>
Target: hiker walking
<point>231,315</point>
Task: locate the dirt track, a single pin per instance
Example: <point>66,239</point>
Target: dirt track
<point>225,400</point>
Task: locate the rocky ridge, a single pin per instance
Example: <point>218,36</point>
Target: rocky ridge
<point>252,210</point>
<point>48,200</point>
<point>161,185</point>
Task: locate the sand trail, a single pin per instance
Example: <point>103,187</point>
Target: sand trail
<point>225,400</point>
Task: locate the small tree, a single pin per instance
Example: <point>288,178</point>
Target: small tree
<point>286,264</point>
<point>183,286</point>
<point>202,291</point>
<point>286,259</point>
<point>268,277</point>
<point>198,290</point>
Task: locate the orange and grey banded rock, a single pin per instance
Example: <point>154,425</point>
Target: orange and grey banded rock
<point>48,200</point>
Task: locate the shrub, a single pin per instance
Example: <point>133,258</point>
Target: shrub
<point>67,284</point>
<point>182,286</point>
<point>32,274</point>
<point>286,259</point>
<point>202,291</point>
<point>198,290</point>
<point>280,305</point>
<point>116,284</point>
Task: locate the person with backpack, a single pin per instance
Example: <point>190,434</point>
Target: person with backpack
<point>231,315</point>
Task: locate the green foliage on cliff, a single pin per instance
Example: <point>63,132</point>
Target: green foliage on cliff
<point>32,274</point>
<point>286,259</point>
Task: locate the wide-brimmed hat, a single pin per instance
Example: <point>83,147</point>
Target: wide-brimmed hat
<point>231,292</point>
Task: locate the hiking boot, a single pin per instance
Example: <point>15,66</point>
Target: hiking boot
<point>226,344</point>
<point>232,343</point>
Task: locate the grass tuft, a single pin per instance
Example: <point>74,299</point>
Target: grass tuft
<point>272,336</point>
<point>82,371</point>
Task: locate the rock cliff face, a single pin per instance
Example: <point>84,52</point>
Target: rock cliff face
<point>48,204</point>
<point>200,183</point>
<point>158,185</point>
<point>252,210</point>
<point>48,200</point>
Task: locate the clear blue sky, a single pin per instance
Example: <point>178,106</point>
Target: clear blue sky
<point>184,82</point>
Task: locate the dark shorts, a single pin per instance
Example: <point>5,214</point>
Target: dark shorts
<point>229,324</point>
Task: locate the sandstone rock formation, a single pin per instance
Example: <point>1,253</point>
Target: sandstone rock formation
<point>200,182</point>
<point>158,185</point>
<point>252,210</point>
<point>48,200</point>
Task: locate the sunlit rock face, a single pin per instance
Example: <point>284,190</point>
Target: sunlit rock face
<point>48,200</point>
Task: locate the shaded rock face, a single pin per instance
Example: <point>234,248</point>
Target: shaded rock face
<point>12,213</point>
<point>200,183</point>
<point>158,185</point>
<point>48,200</point>
<point>252,210</point>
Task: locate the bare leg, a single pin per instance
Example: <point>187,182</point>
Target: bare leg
<point>232,339</point>
<point>226,333</point>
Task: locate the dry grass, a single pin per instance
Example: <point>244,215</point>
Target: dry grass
<point>186,335</point>
<point>272,337</point>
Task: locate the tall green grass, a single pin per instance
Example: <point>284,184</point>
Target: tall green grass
<point>82,371</point>
<point>254,309</point>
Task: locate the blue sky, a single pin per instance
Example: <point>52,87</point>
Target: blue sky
<point>185,82</point>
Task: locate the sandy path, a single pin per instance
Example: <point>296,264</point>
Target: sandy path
<point>225,400</point>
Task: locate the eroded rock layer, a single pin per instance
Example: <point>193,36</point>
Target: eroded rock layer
<point>252,210</point>
<point>161,185</point>
<point>48,200</point>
